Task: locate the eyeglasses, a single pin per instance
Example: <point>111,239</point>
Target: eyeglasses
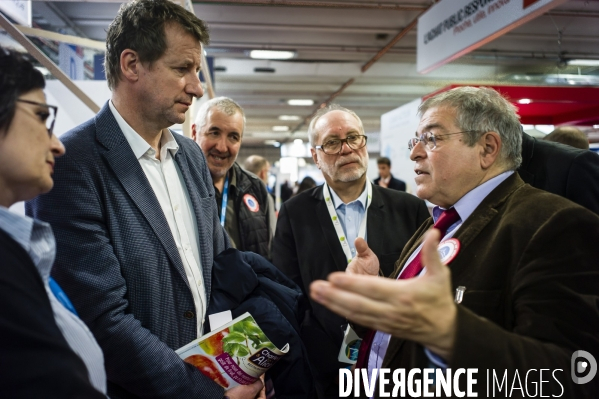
<point>334,146</point>
<point>47,117</point>
<point>430,140</point>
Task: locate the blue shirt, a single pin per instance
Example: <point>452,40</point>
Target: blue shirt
<point>37,239</point>
<point>465,206</point>
<point>350,215</point>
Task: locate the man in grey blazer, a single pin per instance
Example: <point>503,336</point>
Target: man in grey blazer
<point>133,210</point>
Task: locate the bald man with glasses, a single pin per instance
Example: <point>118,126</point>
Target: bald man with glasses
<point>316,229</point>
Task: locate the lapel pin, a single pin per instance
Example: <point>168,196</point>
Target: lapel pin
<point>448,250</point>
<point>459,294</point>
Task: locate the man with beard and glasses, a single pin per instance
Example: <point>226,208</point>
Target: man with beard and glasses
<point>316,229</point>
<point>241,197</point>
<point>133,212</point>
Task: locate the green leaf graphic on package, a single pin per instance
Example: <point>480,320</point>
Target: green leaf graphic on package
<point>237,342</point>
<point>236,353</point>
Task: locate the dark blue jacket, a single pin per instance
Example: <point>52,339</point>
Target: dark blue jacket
<point>394,184</point>
<point>246,282</point>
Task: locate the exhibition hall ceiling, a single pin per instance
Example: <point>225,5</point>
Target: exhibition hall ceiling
<point>332,40</point>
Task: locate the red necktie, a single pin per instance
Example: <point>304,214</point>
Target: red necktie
<point>447,218</point>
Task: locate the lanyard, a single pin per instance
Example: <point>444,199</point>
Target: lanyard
<point>337,224</point>
<point>223,210</point>
<point>61,296</point>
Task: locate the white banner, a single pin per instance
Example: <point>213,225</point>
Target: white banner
<point>452,28</point>
<point>70,60</point>
<point>397,127</point>
<point>17,10</point>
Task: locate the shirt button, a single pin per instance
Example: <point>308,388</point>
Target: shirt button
<point>200,283</point>
<point>177,207</point>
<point>188,314</point>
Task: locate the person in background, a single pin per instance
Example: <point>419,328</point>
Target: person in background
<point>519,285</point>
<point>385,178</point>
<point>46,350</point>
<point>261,167</point>
<point>316,230</point>
<point>133,210</point>
<point>569,135</point>
<point>286,191</point>
<point>563,170</point>
<point>306,184</point>
<point>241,197</point>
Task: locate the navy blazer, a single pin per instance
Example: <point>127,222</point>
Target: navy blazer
<point>246,282</point>
<point>118,262</point>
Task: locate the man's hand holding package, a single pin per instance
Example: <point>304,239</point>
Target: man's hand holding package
<point>255,390</point>
<point>420,309</point>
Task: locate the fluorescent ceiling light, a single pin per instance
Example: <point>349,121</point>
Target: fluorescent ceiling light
<point>596,126</point>
<point>300,101</point>
<point>289,118</point>
<point>584,62</point>
<point>271,54</point>
<point>524,101</point>
<point>280,128</point>
<point>274,143</point>
<point>298,141</point>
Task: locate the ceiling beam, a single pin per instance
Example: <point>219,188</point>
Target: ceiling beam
<point>389,45</point>
<point>48,63</point>
<point>319,4</point>
<point>573,13</point>
<point>65,19</point>
<point>364,68</point>
<point>59,37</point>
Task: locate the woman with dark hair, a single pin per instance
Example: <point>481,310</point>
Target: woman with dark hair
<point>46,351</point>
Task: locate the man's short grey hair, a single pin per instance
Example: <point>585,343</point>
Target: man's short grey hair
<point>313,134</point>
<point>255,163</point>
<point>224,104</point>
<point>480,110</point>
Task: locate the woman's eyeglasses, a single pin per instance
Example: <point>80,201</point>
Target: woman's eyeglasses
<point>48,117</point>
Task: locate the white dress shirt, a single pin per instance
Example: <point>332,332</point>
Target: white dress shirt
<point>170,190</point>
<point>351,215</point>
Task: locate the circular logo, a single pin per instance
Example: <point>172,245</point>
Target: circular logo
<point>448,250</point>
<point>352,349</point>
<point>251,203</point>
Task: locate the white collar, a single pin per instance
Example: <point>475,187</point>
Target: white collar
<point>139,146</point>
<point>472,199</point>
<point>362,198</point>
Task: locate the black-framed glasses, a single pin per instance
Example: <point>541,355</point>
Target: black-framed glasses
<point>430,140</point>
<point>49,117</point>
<point>334,146</point>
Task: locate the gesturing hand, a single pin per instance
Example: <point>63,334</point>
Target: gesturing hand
<point>365,262</point>
<point>420,309</point>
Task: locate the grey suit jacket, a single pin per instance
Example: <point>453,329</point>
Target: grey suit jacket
<point>118,262</point>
